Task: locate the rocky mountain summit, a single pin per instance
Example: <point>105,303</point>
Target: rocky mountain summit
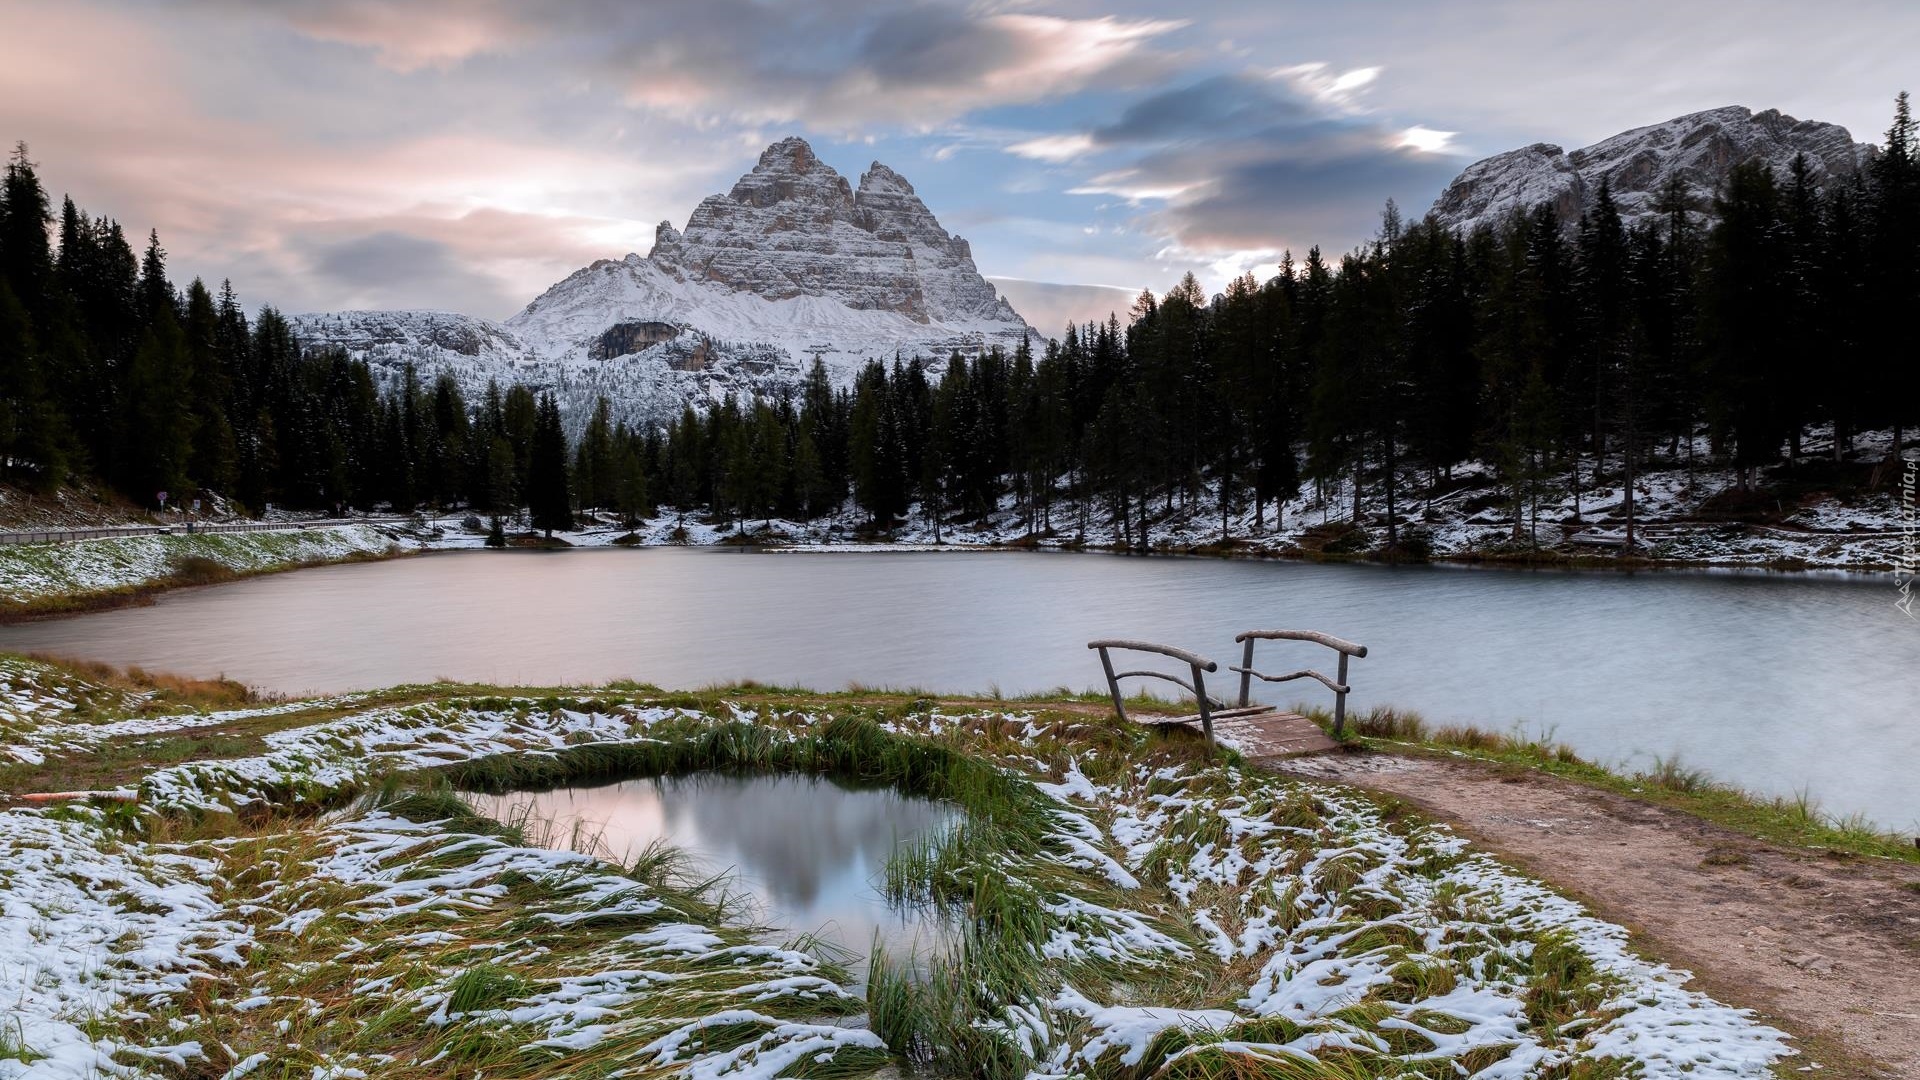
<point>793,227</point>
<point>791,264</point>
<point>1700,149</point>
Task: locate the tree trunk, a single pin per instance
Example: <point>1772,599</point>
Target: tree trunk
<point>1576,483</point>
<point>1626,468</point>
<point>1393,524</point>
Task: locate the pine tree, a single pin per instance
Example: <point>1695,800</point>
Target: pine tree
<point>1749,364</point>
<point>214,449</point>
<point>26,259</point>
<point>631,491</point>
<point>1894,254</point>
<point>596,467</point>
<point>1600,282</point>
<point>160,422</point>
<point>549,492</point>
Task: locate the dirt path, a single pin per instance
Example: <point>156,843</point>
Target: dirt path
<point>1826,947</point>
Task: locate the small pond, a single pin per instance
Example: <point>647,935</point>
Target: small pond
<point>810,854</point>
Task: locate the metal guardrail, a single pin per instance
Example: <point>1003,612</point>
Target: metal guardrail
<point>61,536</point>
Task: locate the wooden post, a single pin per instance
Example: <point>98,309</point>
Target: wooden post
<point>1200,692</point>
<point>1113,685</point>
<point>1246,673</point>
<point>1340,700</point>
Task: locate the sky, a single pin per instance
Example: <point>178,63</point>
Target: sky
<point>463,155</point>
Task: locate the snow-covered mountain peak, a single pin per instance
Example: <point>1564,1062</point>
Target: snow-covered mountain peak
<point>880,177</point>
<point>1699,150</point>
<point>790,264</point>
<point>790,172</point>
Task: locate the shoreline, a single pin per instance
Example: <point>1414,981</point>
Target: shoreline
<point>238,755</point>
<point>139,569</point>
<point>139,592</point>
<point>143,594</point>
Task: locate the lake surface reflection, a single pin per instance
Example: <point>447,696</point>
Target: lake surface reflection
<point>1776,683</point>
<point>809,852</point>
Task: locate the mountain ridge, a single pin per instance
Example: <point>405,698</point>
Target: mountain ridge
<point>790,264</point>
<point>1700,149</point>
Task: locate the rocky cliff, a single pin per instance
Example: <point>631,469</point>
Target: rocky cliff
<point>1699,149</point>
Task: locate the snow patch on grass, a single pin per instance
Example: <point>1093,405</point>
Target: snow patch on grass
<point>85,567</point>
<point>1178,910</point>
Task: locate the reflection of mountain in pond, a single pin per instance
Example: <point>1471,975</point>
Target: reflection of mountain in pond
<point>794,834</point>
<point>810,851</point>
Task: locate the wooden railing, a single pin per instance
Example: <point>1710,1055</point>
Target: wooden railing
<point>1197,664</point>
<point>1338,684</point>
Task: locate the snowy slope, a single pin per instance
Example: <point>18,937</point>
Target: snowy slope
<point>792,264</point>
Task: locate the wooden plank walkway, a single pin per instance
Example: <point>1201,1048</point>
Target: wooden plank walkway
<point>1267,735</point>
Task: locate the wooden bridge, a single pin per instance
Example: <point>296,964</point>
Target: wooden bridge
<point>1257,731</point>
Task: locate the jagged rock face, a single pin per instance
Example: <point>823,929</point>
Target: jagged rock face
<point>887,207</point>
<point>626,338</point>
<point>794,227</point>
<point>1700,149</point>
<point>790,265</point>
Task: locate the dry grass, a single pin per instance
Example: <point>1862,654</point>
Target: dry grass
<point>166,689</point>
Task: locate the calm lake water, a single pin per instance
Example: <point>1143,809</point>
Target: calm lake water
<point>1773,682</point>
<point>810,853</point>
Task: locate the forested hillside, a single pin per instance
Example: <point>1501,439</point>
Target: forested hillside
<point>1561,355</point>
<point>1549,350</point>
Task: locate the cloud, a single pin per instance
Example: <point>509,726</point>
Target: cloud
<point>1427,140</point>
<point>1328,87</point>
<point>1054,148</point>
<point>392,269</point>
<point>838,65</point>
<point>260,198</point>
<point>1230,170</point>
<point>1048,307</point>
<point>420,34</point>
<point>870,62</point>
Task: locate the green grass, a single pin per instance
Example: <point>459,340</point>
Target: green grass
<point>13,1044</point>
<point>996,880</point>
<point>1796,820</point>
<point>342,990</point>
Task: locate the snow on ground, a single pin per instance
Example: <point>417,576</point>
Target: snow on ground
<point>37,571</point>
<point>1473,519</point>
<point>312,763</point>
<point>89,925</point>
<point>1314,923</point>
<point>1322,918</point>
